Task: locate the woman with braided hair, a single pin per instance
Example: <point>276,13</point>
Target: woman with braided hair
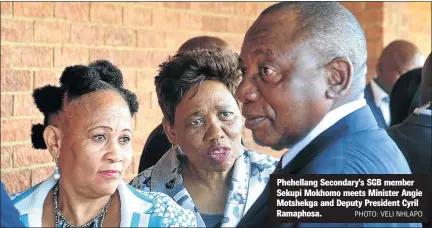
<point>88,130</point>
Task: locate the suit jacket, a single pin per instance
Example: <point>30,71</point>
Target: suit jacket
<point>8,214</point>
<point>413,137</point>
<point>354,145</point>
<point>368,95</point>
<point>156,146</point>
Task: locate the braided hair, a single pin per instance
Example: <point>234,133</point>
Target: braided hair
<point>76,81</point>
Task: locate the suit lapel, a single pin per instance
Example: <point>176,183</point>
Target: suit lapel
<point>356,121</point>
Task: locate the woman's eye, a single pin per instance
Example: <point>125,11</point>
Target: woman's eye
<point>226,114</point>
<point>265,71</point>
<point>99,137</point>
<point>125,140</point>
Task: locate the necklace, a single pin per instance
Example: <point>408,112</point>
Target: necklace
<point>425,106</point>
<point>60,220</point>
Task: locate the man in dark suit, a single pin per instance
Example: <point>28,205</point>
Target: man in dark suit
<point>8,214</point>
<point>157,143</point>
<point>397,58</point>
<point>305,72</point>
<point>414,135</point>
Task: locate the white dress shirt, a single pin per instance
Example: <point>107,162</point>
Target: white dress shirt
<point>426,112</point>
<point>329,120</point>
<point>381,100</point>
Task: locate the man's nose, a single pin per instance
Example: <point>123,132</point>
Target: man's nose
<point>247,92</point>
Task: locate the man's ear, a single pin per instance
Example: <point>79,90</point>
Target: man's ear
<point>52,138</point>
<point>340,78</point>
<point>169,131</point>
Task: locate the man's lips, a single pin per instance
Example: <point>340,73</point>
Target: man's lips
<point>253,122</point>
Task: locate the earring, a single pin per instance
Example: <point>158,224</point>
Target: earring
<point>56,174</point>
<point>174,146</point>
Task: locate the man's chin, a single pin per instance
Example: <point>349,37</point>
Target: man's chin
<point>273,144</point>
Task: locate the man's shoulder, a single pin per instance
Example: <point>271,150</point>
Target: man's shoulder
<point>369,151</point>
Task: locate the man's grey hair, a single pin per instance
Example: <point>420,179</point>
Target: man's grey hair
<point>333,32</point>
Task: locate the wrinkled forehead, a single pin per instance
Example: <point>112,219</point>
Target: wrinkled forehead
<point>97,106</point>
<point>272,34</point>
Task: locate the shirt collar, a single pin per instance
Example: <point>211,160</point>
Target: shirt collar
<point>378,92</point>
<point>329,120</point>
<point>426,112</point>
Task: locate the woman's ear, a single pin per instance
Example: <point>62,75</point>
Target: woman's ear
<point>169,131</point>
<point>52,138</point>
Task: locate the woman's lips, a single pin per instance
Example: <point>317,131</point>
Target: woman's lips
<point>219,153</point>
<point>110,174</point>
<point>253,122</point>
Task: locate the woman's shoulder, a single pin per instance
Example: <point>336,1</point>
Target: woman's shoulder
<point>142,180</point>
<point>164,211</point>
<point>258,156</point>
<point>18,196</point>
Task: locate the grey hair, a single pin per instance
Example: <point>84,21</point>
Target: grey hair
<point>333,32</point>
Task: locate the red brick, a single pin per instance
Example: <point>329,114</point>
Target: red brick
<point>64,57</point>
<point>52,32</point>
<point>145,81</point>
<point>16,181</point>
<point>215,24</point>
<point>190,22</point>
<point>158,57</point>
<point>87,34</point>
<point>6,56</point>
<point>130,169</point>
<point>6,155</point>
<point>239,26</point>
<point>374,5</point>
<point>164,19</point>
<point>177,5</point>
<point>73,11</point>
<point>120,37</point>
<point>6,8</point>
<point>152,4</point>
<point>353,6</point>
<point>6,105</point>
<point>173,40</point>
<point>15,80</point>
<point>17,129</point>
<point>16,31</point>
<point>129,79</point>
<point>42,78</point>
<point>33,9</point>
<point>224,8</point>
<point>147,118</point>
<point>25,155</point>
<point>374,33</point>
<point>32,57</point>
<point>137,59</point>
<point>137,16</point>
<point>24,106</point>
<point>150,39</point>
<point>40,174</point>
<point>139,140</point>
<point>250,9</point>
<point>114,56</point>
<point>105,13</point>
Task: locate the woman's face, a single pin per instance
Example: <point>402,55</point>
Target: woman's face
<point>96,142</point>
<point>208,127</point>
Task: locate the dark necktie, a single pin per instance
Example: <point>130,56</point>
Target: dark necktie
<point>278,167</point>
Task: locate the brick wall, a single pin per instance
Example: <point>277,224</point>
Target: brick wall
<point>39,39</point>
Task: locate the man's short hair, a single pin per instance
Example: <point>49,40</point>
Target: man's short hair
<point>333,32</point>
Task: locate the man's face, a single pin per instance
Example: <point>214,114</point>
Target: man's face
<point>284,86</point>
